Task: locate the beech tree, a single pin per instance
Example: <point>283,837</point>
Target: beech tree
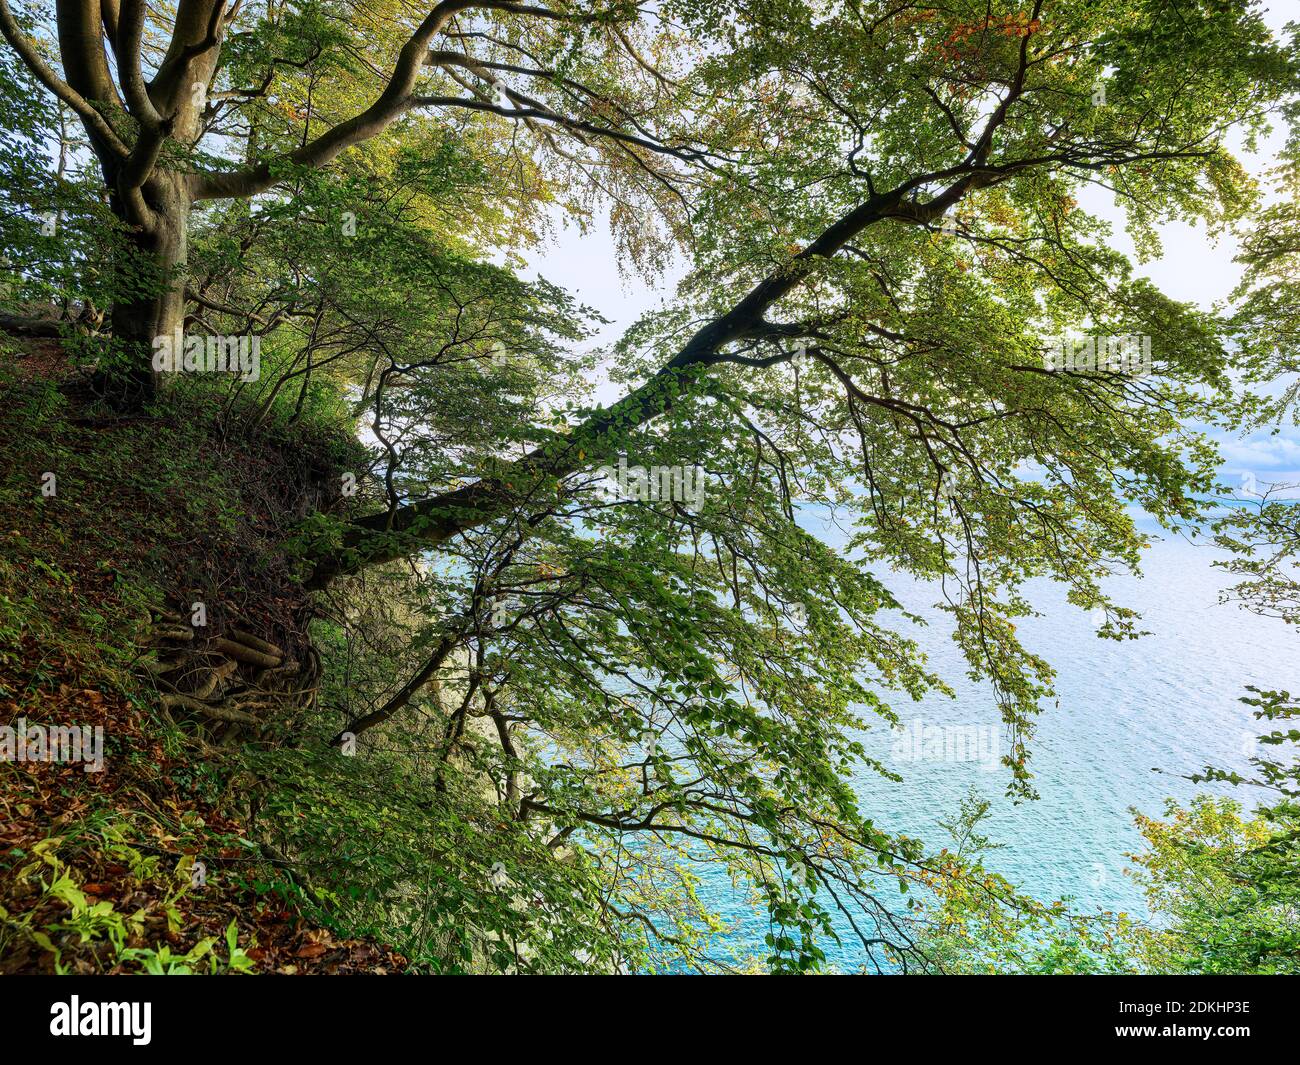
<point>881,210</point>
<point>153,93</point>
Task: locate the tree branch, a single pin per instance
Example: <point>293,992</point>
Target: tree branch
<point>94,122</point>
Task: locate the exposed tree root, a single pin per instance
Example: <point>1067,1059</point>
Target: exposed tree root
<point>173,700</point>
<point>241,652</point>
<point>226,682</point>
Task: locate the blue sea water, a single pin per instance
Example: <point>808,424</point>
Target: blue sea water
<point>1133,719</point>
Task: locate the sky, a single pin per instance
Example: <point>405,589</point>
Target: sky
<point>1191,268</point>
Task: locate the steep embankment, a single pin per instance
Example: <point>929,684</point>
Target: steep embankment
<point>111,531</point>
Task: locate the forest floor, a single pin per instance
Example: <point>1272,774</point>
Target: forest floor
<point>145,865</point>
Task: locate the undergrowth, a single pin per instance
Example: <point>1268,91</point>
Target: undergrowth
<point>145,866</point>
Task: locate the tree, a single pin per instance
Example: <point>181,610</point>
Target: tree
<point>880,205</point>
<point>1228,880</point>
<point>149,133</point>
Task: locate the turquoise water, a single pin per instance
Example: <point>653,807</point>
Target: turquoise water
<point>1166,702</point>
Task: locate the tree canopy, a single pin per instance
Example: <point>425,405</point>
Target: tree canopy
<point>583,645</point>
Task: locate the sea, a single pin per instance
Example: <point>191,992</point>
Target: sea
<point>1131,721</point>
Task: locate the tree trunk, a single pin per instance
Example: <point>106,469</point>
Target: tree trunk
<point>151,278</point>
